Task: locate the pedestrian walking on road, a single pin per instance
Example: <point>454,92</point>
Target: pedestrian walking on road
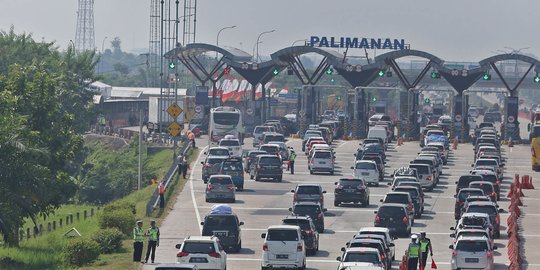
<point>161,191</point>
<point>425,246</point>
<point>138,239</point>
<point>292,158</point>
<point>414,253</point>
<point>185,167</point>
<point>191,138</point>
<point>153,241</point>
<point>180,164</point>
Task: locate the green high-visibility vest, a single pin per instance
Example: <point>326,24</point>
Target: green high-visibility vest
<point>292,157</point>
<point>414,250</point>
<point>138,234</point>
<point>153,234</point>
<point>423,245</point>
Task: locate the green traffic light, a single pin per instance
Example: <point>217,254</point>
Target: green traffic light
<point>329,71</point>
<point>276,71</point>
<point>537,79</point>
<point>381,72</point>
<point>338,98</point>
<point>433,75</point>
<point>374,99</point>
<point>426,100</point>
<point>172,65</point>
<point>486,77</point>
<point>332,80</point>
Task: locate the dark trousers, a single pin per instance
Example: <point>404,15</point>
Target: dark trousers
<point>193,142</point>
<point>184,171</point>
<point>180,169</point>
<point>137,251</point>
<point>151,248</point>
<point>424,258</point>
<point>413,263</point>
<point>162,201</point>
<point>291,164</point>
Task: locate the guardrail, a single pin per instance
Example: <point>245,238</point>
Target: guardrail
<point>154,200</point>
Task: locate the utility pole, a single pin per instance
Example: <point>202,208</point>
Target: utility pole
<point>140,148</point>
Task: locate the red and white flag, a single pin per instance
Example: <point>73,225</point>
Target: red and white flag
<point>258,92</point>
<point>224,85</point>
<point>228,92</point>
<point>241,90</point>
<point>284,91</point>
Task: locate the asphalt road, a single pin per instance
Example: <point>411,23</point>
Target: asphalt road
<point>262,204</point>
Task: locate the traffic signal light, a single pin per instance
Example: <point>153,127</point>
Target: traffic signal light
<point>329,71</point>
<point>172,65</point>
<point>374,99</point>
<point>537,78</point>
<point>227,71</point>
<point>381,72</point>
<point>426,101</point>
<point>275,72</point>
<point>435,75</point>
<point>338,98</point>
<point>332,80</point>
<point>486,77</point>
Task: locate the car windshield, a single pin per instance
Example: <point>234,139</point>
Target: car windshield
<point>322,154</point>
<point>260,129</point>
<point>220,221</point>
<point>377,159</point>
<point>218,152</point>
<point>305,210</point>
<point>485,187</point>
<point>302,223</point>
<point>282,235</point>
<point>366,244</point>
<point>486,162</point>
<point>280,144</point>
<point>224,118</point>
<point>473,221</point>
<point>308,190</point>
<point>270,161</point>
<point>229,143</point>
<point>396,198</point>
<point>351,183</point>
<point>277,138</point>
<point>195,247</point>
<point>213,161</point>
<point>486,209</point>
<point>420,168</point>
<point>365,166</point>
<point>490,178</point>
<point>472,234</point>
<point>254,154</point>
<point>465,194</point>
<point>368,257</point>
<point>232,166</point>
<point>465,180</point>
<point>220,181</point>
<point>412,191</point>
<point>269,149</point>
<point>472,246</point>
<point>391,211</point>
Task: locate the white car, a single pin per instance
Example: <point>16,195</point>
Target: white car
<point>472,252</point>
<point>203,251</point>
<point>364,256</point>
<point>384,232</point>
<point>321,161</point>
<point>283,248</point>
<point>233,145</point>
<point>366,170</point>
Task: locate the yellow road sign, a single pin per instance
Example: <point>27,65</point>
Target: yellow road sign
<point>174,129</point>
<point>174,110</point>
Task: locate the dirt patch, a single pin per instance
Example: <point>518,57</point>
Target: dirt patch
<point>113,143</point>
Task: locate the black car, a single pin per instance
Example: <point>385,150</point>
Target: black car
<point>394,217</point>
<point>251,157</point>
<point>465,180</point>
<point>351,190</point>
<point>418,200</point>
<point>375,149</point>
<point>490,209</point>
<point>463,194</point>
<point>309,232</point>
<point>268,166</point>
<point>312,210</point>
<point>226,227</point>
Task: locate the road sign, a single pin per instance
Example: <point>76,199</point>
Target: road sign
<point>174,110</point>
<point>458,117</point>
<point>302,113</point>
<point>198,109</point>
<point>511,119</point>
<point>174,129</point>
<point>249,111</point>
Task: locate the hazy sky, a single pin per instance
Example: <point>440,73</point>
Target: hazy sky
<point>455,30</point>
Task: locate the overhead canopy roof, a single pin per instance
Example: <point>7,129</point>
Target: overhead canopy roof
<point>195,49</point>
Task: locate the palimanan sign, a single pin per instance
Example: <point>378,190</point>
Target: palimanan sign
<point>354,42</point>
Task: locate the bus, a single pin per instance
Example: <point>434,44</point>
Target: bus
<point>224,121</point>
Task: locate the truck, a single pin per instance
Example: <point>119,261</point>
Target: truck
<point>155,108</point>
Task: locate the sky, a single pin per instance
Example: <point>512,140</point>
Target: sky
<point>454,30</point>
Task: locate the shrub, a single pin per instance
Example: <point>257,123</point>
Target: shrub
<point>80,251</point>
<point>120,206</point>
<point>122,219</point>
<point>109,240</point>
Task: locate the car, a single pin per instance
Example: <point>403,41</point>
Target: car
<point>283,248</point>
<point>378,160</point>
<point>379,132</point>
<point>378,244</point>
<point>234,146</point>
<point>405,171</point>
<point>489,162</point>
<point>410,184</point>
<point>426,175</point>
<point>401,198</point>
<point>309,232</point>
<point>224,224</point>
<point>205,252</point>
<point>487,187</point>
<point>431,162</point>
<point>368,171</point>
<point>315,134</point>
<point>321,161</point>
<point>312,210</point>
<point>489,208</point>
<point>463,194</point>
<point>416,196</point>
<point>270,149</point>
<point>375,149</point>
<point>176,266</point>
<point>465,180</point>
<point>234,168</point>
<point>283,149</point>
<point>378,141</point>
<point>351,190</point>
<point>309,193</point>
<point>218,151</point>
<point>258,133</point>
<point>220,187</point>
<point>268,166</point>
<point>250,159</point>
<point>273,137</point>
<point>211,166</point>
<point>475,199</point>
<point>363,256</point>
<point>491,177</point>
<point>472,232</point>
<point>378,231</point>
<point>312,143</point>
<point>394,217</point>
<point>492,117</point>
<point>398,179</point>
<point>472,252</point>
<point>474,221</point>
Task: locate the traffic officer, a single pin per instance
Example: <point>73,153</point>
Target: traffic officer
<point>292,157</point>
<point>161,191</point>
<point>138,238</point>
<point>414,253</point>
<point>153,240</point>
<point>425,245</point>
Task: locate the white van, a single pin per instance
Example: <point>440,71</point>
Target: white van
<point>235,149</point>
<point>378,132</point>
<point>283,248</point>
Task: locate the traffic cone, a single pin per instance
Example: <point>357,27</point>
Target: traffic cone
<point>433,264</point>
<point>530,183</point>
<point>511,191</point>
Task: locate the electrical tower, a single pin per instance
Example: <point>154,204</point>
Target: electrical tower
<point>190,21</point>
<point>84,35</point>
<point>153,60</point>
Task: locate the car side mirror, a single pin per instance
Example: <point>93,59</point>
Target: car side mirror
<point>202,223</point>
<point>472,165</point>
<point>241,223</point>
<point>451,247</point>
<point>461,226</point>
<point>392,175</point>
<point>388,184</point>
<point>411,162</point>
<point>202,162</point>
<point>455,196</point>
<point>352,168</point>
<point>453,235</point>
<point>343,249</point>
<point>338,259</point>
<point>263,235</point>
<point>324,192</point>
<point>290,209</point>
<point>452,228</point>
<point>335,183</point>
<point>394,238</point>
<point>292,190</point>
<point>354,154</point>
<point>381,200</point>
<point>178,246</point>
<point>325,210</point>
<point>375,212</point>
<point>206,153</point>
<point>501,210</point>
<point>392,244</point>
<point>495,247</point>
<point>456,182</point>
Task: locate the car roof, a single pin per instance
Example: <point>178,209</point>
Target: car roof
<point>483,204</point>
<point>472,238</point>
<point>306,203</point>
<point>256,151</point>
<point>481,183</point>
<point>297,217</point>
<point>308,185</point>
<point>269,144</point>
<point>397,193</point>
<point>475,214</point>
<point>362,249</point>
<point>267,155</point>
<point>392,205</point>
<point>283,227</point>
<point>197,238</point>
<point>218,147</point>
<point>374,229</point>
<point>220,176</point>
<point>365,161</point>
<point>174,266</point>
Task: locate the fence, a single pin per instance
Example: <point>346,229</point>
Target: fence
<point>154,200</point>
<point>39,229</point>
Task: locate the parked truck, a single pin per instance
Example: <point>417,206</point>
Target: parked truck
<point>155,108</point>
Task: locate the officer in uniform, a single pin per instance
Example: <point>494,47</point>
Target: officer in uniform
<point>138,238</point>
<point>414,253</point>
<point>153,241</point>
<point>292,157</point>
<point>425,246</point>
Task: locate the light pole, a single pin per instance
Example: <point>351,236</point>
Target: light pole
<point>72,45</point>
<point>258,38</point>
<point>255,45</point>
<point>296,41</point>
<point>219,32</point>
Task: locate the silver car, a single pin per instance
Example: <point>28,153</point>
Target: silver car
<point>220,187</point>
<point>472,252</point>
<point>321,161</point>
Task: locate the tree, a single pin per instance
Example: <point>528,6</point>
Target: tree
<point>44,106</point>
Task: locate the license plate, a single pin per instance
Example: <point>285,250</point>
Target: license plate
<point>198,260</point>
<point>349,190</point>
<point>365,173</point>
<point>220,233</point>
<point>322,162</point>
<point>282,256</point>
<point>471,260</point>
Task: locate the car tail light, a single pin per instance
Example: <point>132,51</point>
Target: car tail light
<point>265,247</point>
<point>498,182</point>
<point>231,187</point>
<point>382,256</point>
<point>310,232</point>
<point>410,207</point>
<point>299,247</point>
<point>493,193</point>
<point>321,216</point>
<point>454,253</point>
<point>428,178</point>
<point>339,186</point>
<point>361,187</point>
<point>405,219</point>
<point>214,255</point>
<point>182,254</point>
<point>321,197</point>
<point>295,196</point>
<point>377,219</point>
<point>258,167</point>
<point>489,254</point>
<point>497,219</point>
<point>210,187</point>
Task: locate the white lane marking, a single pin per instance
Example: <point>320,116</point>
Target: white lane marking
<point>343,144</point>
<point>193,190</point>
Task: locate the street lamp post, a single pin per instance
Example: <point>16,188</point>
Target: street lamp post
<point>219,32</point>
<point>72,46</point>
<point>258,38</point>
<point>255,45</point>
